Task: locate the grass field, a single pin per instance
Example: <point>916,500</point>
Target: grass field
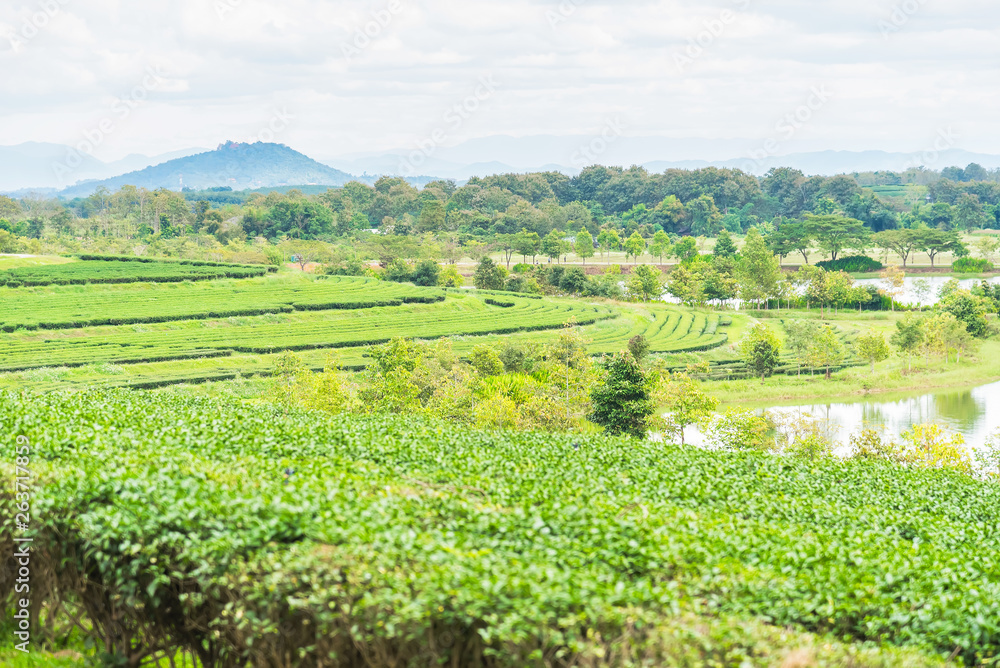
<point>251,534</point>
<point>17,261</point>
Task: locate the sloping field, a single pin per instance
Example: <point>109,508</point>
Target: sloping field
<point>66,307</point>
<point>251,536</point>
<point>125,271</point>
<point>458,315</point>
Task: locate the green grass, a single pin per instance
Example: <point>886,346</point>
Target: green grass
<point>13,262</point>
<point>425,542</point>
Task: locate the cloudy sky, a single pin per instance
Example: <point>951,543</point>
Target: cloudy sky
<point>334,78</point>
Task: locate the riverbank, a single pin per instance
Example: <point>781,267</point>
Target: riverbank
<point>890,377</point>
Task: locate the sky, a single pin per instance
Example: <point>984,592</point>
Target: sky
<point>351,77</point>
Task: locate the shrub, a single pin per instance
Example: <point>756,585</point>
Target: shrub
<point>522,268</point>
<point>854,264</point>
<point>969,265</point>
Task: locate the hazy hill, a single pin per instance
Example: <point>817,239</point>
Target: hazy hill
<point>239,166</point>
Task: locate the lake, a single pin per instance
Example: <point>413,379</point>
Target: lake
<point>974,413</point>
<point>909,295</point>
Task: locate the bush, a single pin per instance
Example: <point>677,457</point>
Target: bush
<point>853,264</point>
<point>522,268</point>
<point>969,265</point>
<point>398,272</point>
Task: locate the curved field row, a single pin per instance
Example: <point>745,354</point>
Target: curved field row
<point>305,331</point>
<point>68,307</point>
<point>667,330</point>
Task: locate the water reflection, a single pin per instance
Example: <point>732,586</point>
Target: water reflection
<point>910,294</point>
<point>973,413</point>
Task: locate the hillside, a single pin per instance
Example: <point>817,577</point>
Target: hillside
<point>232,164</point>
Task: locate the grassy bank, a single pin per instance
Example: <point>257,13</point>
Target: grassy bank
<point>896,375</point>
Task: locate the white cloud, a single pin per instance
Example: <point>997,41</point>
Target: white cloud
<point>230,62</point>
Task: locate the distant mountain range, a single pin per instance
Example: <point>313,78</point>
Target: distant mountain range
<point>235,165</point>
<point>50,169</point>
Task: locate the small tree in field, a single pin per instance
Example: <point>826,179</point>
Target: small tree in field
<point>761,350</point>
<point>872,347</point>
<point>621,402</point>
<point>909,336</point>
<point>686,403</point>
<point>584,245</point>
<point>892,284</point>
<point>826,349</point>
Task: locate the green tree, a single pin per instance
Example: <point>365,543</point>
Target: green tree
<point>686,249</point>
<point>758,270</point>
<point>646,282</point>
<point>609,240</point>
<point>660,245</point>
<point>486,361</point>
<point>705,217</point>
<point>933,242</point>
<point>969,213</point>
<point>872,347</point>
<point>638,345</point>
<point>835,233</point>
<point>527,243</point>
<point>552,245</point>
<point>909,336</point>
<point>621,401</point>
<point>427,273</point>
<point>826,350</point>
<point>489,276</point>
<point>685,402</point>
<point>900,242</point>
<point>968,309</point>
<point>635,246</point>
<point>432,216</point>
<point>789,237</point>
<point>761,350</point>
<point>724,245</point>
<point>799,335</point>
<point>685,285</point>
<point>584,245</point>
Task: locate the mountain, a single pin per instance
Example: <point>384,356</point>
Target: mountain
<point>42,167</point>
<point>570,153</point>
<point>238,166</point>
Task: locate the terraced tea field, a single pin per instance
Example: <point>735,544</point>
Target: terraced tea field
<point>58,336</point>
<point>125,270</point>
<point>66,307</point>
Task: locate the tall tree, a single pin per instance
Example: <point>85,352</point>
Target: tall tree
<point>758,269</point>
<point>584,245</point>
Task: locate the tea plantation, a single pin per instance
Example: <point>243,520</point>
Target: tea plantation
<point>255,536</point>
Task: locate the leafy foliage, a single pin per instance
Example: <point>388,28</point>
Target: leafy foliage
<point>853,264</point>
